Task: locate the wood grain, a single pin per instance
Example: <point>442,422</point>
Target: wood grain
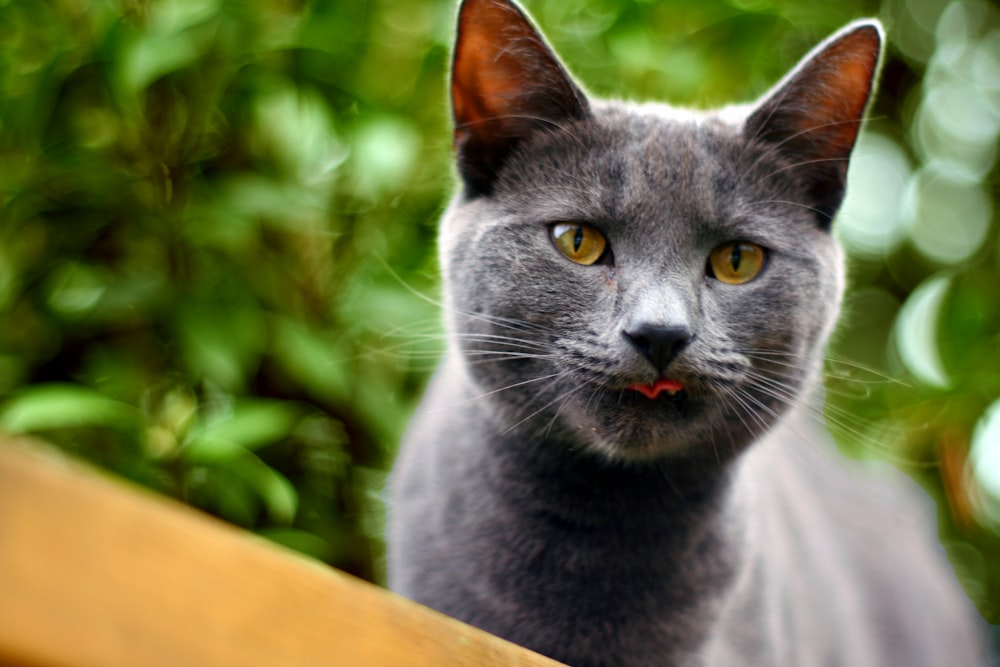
<point>96,573</point>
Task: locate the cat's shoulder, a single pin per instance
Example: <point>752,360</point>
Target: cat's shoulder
<point>848,525</point>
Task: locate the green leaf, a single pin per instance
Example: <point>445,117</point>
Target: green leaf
<point>203,449</point>
<point>49,406</point>
<point>274,490</point>
<point>152,56</point>
<point>254,423</point>
<point>220,341</point>
<point>312,359</point>
<point>302,541</point>
<point>278,494</point>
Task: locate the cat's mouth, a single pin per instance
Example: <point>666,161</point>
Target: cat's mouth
<point>654,389</point>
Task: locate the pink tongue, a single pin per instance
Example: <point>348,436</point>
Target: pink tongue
<point>653,390</point>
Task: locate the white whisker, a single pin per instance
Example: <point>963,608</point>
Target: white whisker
<point>562,396</point>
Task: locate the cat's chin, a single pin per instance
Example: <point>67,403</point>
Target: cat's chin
<point>631,426</point>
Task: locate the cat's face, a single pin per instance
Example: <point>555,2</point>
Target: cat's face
<point>634,280</point>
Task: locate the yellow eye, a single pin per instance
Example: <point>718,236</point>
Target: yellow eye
<point>581,243</point>
<point>737,262</point>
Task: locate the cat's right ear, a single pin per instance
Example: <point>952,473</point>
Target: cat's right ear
<point>506,85</point>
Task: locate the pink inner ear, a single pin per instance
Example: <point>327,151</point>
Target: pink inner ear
<point>483,82</point>
<point>834,89</point>
<point>472,54</point>
<point>487,74</point>
<point>812,117</point>
<point>506,85</point>
<point>503,70</point>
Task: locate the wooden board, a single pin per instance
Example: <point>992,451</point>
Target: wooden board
<point>96,573</point>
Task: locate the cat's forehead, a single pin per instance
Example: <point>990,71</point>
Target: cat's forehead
<point>631,163</point>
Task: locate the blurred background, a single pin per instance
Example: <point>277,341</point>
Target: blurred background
<point>217,224</point>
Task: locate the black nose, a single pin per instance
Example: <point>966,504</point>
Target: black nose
<point>659,343</point>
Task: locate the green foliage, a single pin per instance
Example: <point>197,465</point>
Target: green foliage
<point>217,218</point>
<point>200,200</point>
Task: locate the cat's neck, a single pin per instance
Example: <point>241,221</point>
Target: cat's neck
<point>577,486</point>
<point>614,529</point>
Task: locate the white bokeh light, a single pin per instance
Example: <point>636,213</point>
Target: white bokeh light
<point>984,457</point>
<point>916,332</point>
<point>869,222</point>
<point>947,216</point>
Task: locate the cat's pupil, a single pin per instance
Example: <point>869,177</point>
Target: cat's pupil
<point>578,239</point>
<point>735,257</point>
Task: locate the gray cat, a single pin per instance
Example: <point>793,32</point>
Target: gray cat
<point>610,466</point>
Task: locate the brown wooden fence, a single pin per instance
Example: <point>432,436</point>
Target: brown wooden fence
<point>96,573</point>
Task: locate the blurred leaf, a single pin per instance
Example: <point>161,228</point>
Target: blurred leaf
<point>150,57</point>
<point>299,540</point>
<point>312,358</point>
<point>225,494</point>
<point>278,494</point>
<point>202,449</point>
<point>251,424</point>
<point>75,289</point>
<point>385,150</point>
<point>271,487</point>
<point>221,342</point>
<point>51,406</point>
<point>294,126</point>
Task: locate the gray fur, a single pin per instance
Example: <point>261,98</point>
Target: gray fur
<point>538,498</point>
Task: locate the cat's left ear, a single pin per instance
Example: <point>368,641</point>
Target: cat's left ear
<point>813,116</point>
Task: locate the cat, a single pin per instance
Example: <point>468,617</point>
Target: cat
<point>609,466</point>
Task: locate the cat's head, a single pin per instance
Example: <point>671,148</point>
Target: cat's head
<point>641,280</point>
